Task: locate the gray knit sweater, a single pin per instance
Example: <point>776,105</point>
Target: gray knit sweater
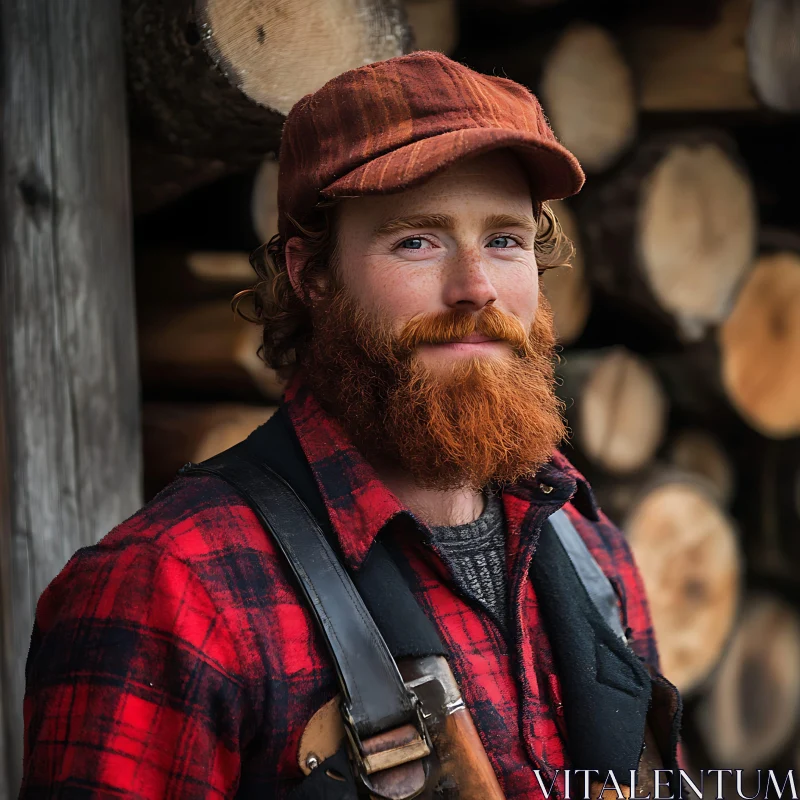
<point>475,553</point>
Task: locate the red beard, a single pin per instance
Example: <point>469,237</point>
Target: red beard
<point>477,421</point>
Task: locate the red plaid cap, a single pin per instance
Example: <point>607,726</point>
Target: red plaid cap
<point>392,124</point>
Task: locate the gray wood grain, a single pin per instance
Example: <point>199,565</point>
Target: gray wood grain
<point>69,399</point>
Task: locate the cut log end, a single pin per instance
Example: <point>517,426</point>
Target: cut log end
<point>773,51</point>
<point>752,708</point>
<point>278,52</point>
<point>567,288</point>
<point>434,24</point>
<point>210,81</point>
<point>622,412</point>
<point>671,234</point>
<point>697,231</point>
<point>687,553</point>
<point>587,91</point>
<point>760,346</point>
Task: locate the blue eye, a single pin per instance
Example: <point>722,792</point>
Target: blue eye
<point>416,239</point>
<point>504,238</point>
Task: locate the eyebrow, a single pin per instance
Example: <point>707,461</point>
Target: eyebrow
<point>446,222</point>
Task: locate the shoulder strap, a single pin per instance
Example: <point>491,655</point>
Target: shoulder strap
<point>405,627</point>
<point>594,580</point>
<point>376,697</point>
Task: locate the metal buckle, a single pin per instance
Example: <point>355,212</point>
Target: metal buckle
<point>368,764</point>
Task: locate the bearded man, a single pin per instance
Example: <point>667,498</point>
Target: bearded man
<point>402,299</point>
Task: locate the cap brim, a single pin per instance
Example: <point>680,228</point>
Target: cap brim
<point>554,172</point>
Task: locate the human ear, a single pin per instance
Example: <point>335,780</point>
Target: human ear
<point>296,257</point>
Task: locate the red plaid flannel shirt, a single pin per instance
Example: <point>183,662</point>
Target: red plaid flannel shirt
<point>175,658</point>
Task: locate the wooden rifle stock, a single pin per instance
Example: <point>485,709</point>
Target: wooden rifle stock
<point>463,762</point>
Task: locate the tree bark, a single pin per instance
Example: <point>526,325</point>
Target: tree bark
<point>210,80</point>
<point>70,465</point>
<point>772,514</point>
<point>692,379</point>
<point>615,407</point>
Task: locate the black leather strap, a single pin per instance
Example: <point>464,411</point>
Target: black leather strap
<point>383,580</point>
<point>374,691</point>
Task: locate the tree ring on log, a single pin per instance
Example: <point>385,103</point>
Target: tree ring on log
<point>697,230</point>
<point>688,555</point>
<point>670,234</point>
<point>620,411</point>
<point>760,347</point>
<point>278,52</point>
<point>587,90</point>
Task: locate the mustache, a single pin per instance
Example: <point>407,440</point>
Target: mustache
<point>452,326</point>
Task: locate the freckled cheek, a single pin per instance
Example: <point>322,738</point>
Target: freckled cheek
<point>398,294</point>
<point>406,291</point>
<point>520,297</point>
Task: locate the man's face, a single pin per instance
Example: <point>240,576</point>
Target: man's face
<point>428,340</point>
<point>462,241</point>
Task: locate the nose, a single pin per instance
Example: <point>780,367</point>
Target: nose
<point>468,286</point>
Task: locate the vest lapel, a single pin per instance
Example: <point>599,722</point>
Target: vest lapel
<point>606,688</point>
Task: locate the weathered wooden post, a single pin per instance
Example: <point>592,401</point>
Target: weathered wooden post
<point>69,398</point>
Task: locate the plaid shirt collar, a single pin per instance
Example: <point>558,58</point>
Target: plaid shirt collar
<point>360,504</point>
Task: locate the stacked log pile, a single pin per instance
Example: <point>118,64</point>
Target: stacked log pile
<point>679,317</point>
